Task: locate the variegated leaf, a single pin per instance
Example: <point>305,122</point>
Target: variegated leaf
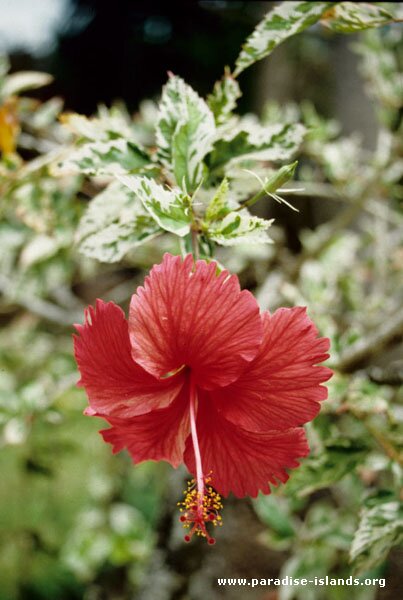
<point>349,17</point>
<point>185,132</point>
<point>237,228</point>
<point>25,80</point>
<point>114,223</point>
<point>106,158</point>
<point>223,99</point>
<point>170,208</point>
<point>379,530</point>
<point>271,143</point>
<point>111,123</point>
<point>285,20</point>
<point>218,206</point>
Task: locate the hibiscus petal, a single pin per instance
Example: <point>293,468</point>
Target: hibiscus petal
<point>281,387</point>
<point>241,461</point>
<point>187,315</point>
<point>114,383</point>
<point>157,435</point>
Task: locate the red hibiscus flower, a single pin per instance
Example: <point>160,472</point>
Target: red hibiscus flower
<point>197,375</point>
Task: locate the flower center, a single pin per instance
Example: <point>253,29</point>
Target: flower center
<point>201,504</point>
<point>198,510</point>
<point>173,372</point>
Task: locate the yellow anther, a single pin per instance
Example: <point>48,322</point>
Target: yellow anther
<point>199,509</point>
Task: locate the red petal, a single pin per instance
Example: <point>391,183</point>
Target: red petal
<point>281,387</point>
<point>241,461</point>
<point>186,315</point>
<point>114,383</point>
<point>157,435</point>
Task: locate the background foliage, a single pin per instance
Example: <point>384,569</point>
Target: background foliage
<point>89,203</point>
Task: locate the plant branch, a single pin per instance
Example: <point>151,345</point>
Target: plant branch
<point>195,243</point>
<point>385,444</point>
<point>378,436</point>
<point>42,308</point>
<point>364,349</point>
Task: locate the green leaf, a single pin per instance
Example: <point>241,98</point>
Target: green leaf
<point>256,143</point>
<point>379,530</point>
<point>114,223</point>
<point>237,228</point>
<point>223,99</point>
<point>349,17</point>
<point>25,80</point>
<point>185,132</point>
<point>106,158</point>
<point>271,512</point>
<point>325,469</point>
<point>218,206</point>
<point>170,208</point>
<point>285,20</point>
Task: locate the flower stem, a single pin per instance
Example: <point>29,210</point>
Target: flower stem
<point>195,244</point>
<point>196,448</point>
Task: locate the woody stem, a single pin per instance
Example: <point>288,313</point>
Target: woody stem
<point>196,448</point>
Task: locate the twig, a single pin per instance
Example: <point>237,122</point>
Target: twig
<point>388,448</point>
<point>383,442</point>
<point>373,343</point>
<point>122,291</point>
<point>326,234</point>
<point>391,375</point>
<point>327,191</point>
<point>42,308</point>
